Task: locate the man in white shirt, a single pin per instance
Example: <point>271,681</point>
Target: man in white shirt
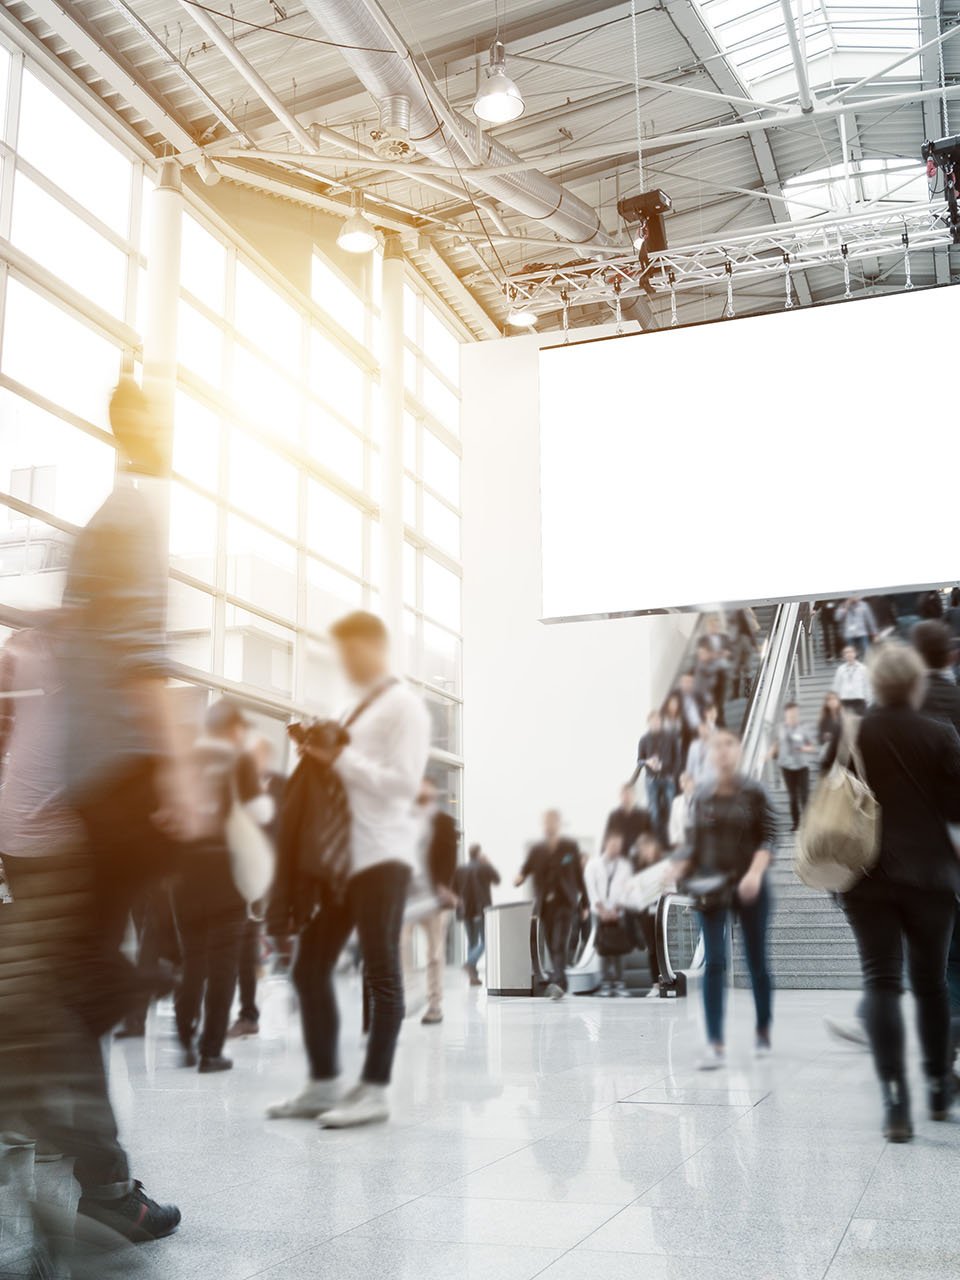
<point>381,767</point>
<point>851,683</point>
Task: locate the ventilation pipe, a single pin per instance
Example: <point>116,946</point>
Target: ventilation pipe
<point>446,137</point>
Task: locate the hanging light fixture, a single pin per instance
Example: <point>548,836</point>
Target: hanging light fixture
<point>498,99</point>
<point>357,234</point>
<point>207,171</point>
<point>521,316</point>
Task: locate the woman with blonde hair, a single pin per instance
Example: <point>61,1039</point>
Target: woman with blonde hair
<point>908,902</point>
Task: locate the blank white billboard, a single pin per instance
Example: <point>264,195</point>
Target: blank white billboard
<point>798,455</point>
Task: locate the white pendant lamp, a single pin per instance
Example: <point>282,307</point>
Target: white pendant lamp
<point>357,234</point>
<point>498,99</point>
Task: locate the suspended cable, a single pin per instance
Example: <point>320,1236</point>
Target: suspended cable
<point>636,90</point>
<point>273,29</point>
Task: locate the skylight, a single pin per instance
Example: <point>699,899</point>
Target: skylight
<point>844,40</point>
<point>836,190</point>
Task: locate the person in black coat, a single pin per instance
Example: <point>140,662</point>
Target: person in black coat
<point>472,883</point>
<point>441,841</point>
<point>560,893</point>
<point>628,820</point>
<point>658,752</point>
<point>912,765</point>
<point>934,642</point>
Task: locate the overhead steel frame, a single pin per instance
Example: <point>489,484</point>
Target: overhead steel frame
<point>776,250</point>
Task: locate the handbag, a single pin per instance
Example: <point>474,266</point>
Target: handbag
<point>712,892</point>
<point>613,939</point>
<point>839,838</point>
<point>252,857</point>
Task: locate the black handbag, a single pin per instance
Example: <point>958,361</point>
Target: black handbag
<point>613,939</point>
<point>713,892</point>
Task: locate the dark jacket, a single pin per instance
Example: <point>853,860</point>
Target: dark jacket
<point>943,700</point>
<point>664,744</point>
<point>829,732</point>
<point>557,875</point>
<point>726,831</point>
<point>472,883</point>
<point>912,766</point>
<point>631,824</point>
<point>442,851</point>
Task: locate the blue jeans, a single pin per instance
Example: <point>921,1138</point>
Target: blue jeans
<point>660,794</point>
<point>753,922</point>
<point>476,938</point>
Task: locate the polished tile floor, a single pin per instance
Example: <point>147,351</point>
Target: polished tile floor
<point>550,1140</point>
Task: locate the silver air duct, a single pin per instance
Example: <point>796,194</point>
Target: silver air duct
<point>446,137</point>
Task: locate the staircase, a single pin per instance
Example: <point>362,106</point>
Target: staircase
<point>811,945</point>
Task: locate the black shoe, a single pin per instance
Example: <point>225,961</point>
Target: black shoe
<point>220,1063</point>
<point>941,1097</point>
<point>134,1215</point>
<point>897,1126</point>
<point>189,1056</point>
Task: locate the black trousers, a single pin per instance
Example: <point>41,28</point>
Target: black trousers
<point>52,1078</point>
<point>643,925</point>
<point>885,915</point>
<point>249,965</point>
<point>373,905</point>
<point>798,786</point>
<point>210,917</point>
<point>557,920</point>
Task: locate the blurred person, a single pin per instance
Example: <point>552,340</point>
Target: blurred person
<point>708,666</point>
<point>744,651</point>
<point>851,682</point>
<point>681,811</point>
<point>472,884</point>
<point>700,764</point>
<point>691,708</point>
<point>606,878</point>
<point>911,763</point>
<point>731,838</point>
<point>930,606</point>
<point>210,911</point>
<point>126,767</point>
<point>720,647</point>
<point>673,724</point>
<point>379,757</point>
<point>857,623</point>
<point>884,611</point>
<point>793,745</point>
<point>628,820</point>
<point>273,784</point>
<point>439,843</point>
<point>826,611</point>
<point>658,756</point>
<point>560,895</point>
<point>52,1076</point>
<point>933,642</point>
<point>643,924</point>
<point>829,731</point>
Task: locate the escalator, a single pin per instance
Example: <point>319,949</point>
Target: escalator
<point>755,715</point>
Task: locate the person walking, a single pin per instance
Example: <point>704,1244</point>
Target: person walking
<point>440,841</point>
<point>658,754</point>
<point>681,812</point>
<point>560,893</point>
<point>829,731</point>
<point>857,624</point>
<point>851,682</point>
<point>628,820</point>
<point>273,784</point>
<point>700,756</point>
<point>792,749</point>
<point>911,763</point>
<point>379,758</point>
<point>730,842</point>
<point>607,876</point>
<point>643,922</point>
<point>745,631</point>
<point>472,884</point>
<point>691,708</point>
<point>826,611</point>
<point>209,910</point>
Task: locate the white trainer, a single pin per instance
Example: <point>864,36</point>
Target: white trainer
<point>364,1104</point>
<point>554,991</point>
<point>713,1059</point>
<point>317,1097</point>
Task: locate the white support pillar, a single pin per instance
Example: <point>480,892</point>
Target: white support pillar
<point>163,291</point>
<point>391,443</point>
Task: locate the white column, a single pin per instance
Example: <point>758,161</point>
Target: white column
<point>163,290</point>
<point>391,445</point>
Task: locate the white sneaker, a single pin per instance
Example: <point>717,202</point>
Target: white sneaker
<point>317,1097</point>
<point>555,991</point>
<point>850,1029</point>
<point>653,993</point>
<point>712,1059</point>
<point>365,1104</point>
<point>763,1048</point>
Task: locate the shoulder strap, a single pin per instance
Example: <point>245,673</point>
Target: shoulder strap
<point>368,702</point>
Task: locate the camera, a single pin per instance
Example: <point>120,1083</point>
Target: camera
<point>326,735</point>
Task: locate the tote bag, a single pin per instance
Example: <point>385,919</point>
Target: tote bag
<point>839,838</point>
<point>252,858</point>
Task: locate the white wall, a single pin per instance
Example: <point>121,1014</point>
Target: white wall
<point>552,714</point>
